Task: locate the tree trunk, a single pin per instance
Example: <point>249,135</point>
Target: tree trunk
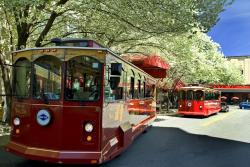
<point>7,86</point>
<point>22,40</point>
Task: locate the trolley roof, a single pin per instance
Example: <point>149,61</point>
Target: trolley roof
<point>61,51</point>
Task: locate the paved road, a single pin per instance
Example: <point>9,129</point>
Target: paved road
<point>222,140</point>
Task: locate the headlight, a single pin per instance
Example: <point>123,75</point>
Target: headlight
<point>16,121</point>
<point>180,105</point>
<point>88,127</point>
<point>200,107</point>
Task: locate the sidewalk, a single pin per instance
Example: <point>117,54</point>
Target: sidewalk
<point>169,112</point>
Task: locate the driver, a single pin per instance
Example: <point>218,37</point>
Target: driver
<point>76,88</point>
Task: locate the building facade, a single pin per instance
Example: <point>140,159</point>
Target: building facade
<point>244,63</point>
<point>237,93</point>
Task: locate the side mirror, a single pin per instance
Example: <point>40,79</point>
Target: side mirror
<point>114,82</point>
<point>116,69</point>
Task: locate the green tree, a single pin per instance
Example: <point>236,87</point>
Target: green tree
<point>125,25</point>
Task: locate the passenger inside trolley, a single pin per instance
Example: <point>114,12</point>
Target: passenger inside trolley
<point>85,74</point>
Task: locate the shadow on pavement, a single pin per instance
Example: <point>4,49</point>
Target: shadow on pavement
<point>160,119</point>
<point>192,116</point>
<point>166,147</point>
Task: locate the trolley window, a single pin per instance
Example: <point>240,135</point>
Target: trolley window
<point>139,88</point>
<point>47,78</point>
<point>189,95</point>
<point>83,79</point>
<point>199,95</point>
<point>150,88</point>
<point>182,95</point>
<point>22,78</point>
<point>217,95</point>
<point>132,87</point>
<point>209,95</point>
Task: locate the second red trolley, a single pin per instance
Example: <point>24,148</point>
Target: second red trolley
<point>200,101</point>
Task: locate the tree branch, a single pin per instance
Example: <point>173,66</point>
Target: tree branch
<point>10,31</point>
<point>116,16</point>
<point>49,24</point>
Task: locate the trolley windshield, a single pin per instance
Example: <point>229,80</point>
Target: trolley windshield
<point>22,69</point>
<point>44,77</point>
<point>47,78</point>
<point>83,79</point>
<point>197,95</point>
<point>186,95</point>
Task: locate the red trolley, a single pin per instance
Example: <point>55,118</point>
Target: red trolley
<point>77,102</point>
<point>198,101</point>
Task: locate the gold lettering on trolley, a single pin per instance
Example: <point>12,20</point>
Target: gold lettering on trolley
<point>21,109</point>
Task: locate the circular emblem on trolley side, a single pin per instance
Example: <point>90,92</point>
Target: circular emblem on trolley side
<point>43,117</point>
